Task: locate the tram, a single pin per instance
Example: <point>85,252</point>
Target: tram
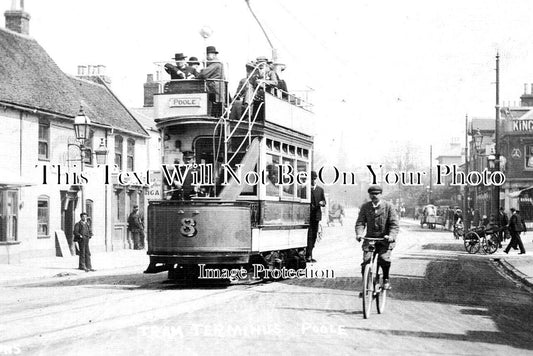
<point>236,205</point>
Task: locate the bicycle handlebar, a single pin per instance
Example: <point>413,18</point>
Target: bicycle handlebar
<point>374,238</point>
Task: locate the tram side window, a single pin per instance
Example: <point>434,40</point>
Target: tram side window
<point>302,188</point>
<point>250,189</point>
<point>288,189</point>
<point>272,188</point>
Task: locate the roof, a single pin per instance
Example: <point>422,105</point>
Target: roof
<point>30,78</point>
<point>145,116</point>
<point>487,125</point>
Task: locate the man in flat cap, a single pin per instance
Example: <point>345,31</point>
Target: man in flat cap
<point>318,200</point>
<point>136,228</point>
<point>381,221</point>
<point>82,234</point>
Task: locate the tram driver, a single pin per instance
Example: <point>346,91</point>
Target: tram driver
<point>381,221</point>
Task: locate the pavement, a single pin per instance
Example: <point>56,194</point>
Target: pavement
<point>520,267</point>
<point>104,263</point>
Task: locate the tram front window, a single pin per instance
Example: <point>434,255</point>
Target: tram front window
<point>272,188</point>
<point>302,188</point>
<point>288,189</point>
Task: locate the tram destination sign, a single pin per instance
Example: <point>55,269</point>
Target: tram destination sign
<point>184,102</point>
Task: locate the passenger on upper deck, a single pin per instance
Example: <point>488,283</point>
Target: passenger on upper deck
<point>193,68</point>
<point>177,71</point>
<point>266,74</point>
<point>214,71</point>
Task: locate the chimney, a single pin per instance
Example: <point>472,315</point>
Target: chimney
<point>17,19</point>
<point>526,100</point>
<point>150,89</point>
<point>94,73</point>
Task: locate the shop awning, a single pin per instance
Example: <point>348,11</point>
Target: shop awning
<point>12,181</point>
<point>517,193</point>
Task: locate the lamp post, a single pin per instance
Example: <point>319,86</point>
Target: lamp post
<point>478,141</point>
<point>82,126</point>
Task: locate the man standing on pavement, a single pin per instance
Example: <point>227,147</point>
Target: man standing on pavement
<point>82,234</point>
<point>381,221</point>
<point>318,200</point>
<point>503,221</point>
<point>516,226</point>
<point>136,227</point>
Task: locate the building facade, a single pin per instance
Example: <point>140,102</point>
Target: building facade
<point>45,182</point>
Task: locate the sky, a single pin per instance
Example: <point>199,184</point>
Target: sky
<point>383,73</point>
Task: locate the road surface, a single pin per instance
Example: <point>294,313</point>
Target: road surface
<point>443,302</point>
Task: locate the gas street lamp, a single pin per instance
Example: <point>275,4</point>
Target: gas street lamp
<point>82,126</point>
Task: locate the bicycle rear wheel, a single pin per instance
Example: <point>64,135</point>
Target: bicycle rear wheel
<point>381,296</point>
<point>368,290</point>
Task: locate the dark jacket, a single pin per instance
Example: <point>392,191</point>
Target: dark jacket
<point>135,222</point>
<point>503,220</point>
<point>82,230</point>
<point>378,222</point>
<point>317,196</point>
<point>517,224</point>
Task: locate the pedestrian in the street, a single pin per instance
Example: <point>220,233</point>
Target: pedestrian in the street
<point>82,235</point>
<point>503,221</point>
<point>381,221</point>
<point>136,228</point>
<point>516,226</point>
<point>318,200</point>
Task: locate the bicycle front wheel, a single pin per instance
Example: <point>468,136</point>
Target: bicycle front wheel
<point>381,298</point>
<point>368,290</point>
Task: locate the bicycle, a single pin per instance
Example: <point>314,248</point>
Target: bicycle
<point>458,230</point>
<point>372,288</point>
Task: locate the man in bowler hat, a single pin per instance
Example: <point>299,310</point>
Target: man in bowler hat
<point>516,226</point>
<point>318,200</point>
<point>214,73</point>
<point>82,234</point>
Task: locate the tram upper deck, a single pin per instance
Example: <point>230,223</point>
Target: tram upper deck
<point>208,100</point>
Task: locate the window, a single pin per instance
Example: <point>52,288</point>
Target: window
<point>8,215</point>
<point>272,188</point>
<point>118,151</point>
<point>120,196</point>
<point>44,140</point>
<point>88,154</point>
<point>529,157</point>
<point>131,155</point>
<point>43,216</point>
<point>288,189</point>
<point>89,210</point>
<point>302,188</point>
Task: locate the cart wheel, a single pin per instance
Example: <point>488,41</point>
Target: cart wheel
<point>490,244</point>
<point>472,242</point>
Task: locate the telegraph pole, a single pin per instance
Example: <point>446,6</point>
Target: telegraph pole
<point>465,199</point>
<point>496,189</point>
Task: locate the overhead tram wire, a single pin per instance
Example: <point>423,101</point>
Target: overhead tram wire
<point>313,36</point>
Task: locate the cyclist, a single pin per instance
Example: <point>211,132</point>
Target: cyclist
<point>381,221</point>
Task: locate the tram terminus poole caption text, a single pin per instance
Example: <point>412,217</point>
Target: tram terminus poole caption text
<point>278,174</point>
